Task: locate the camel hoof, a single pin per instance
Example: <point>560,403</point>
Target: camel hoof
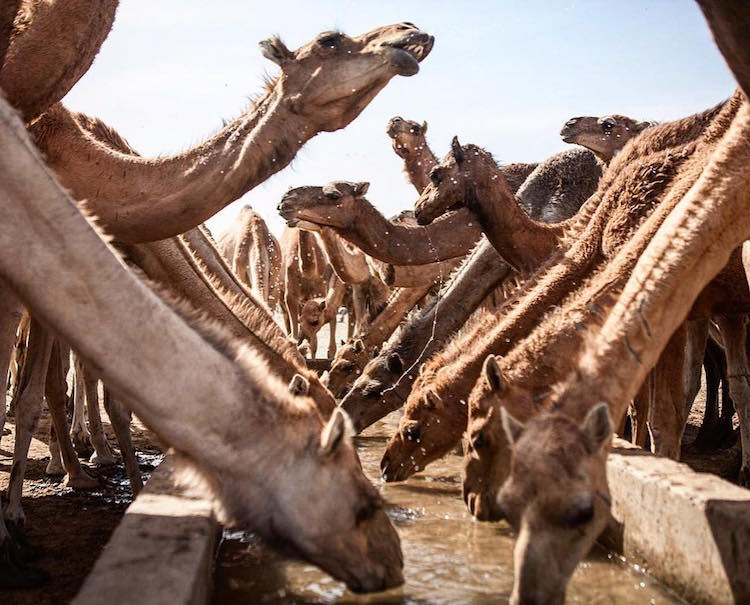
<point>744,478</point>
<point>106,459</point>
<point>82,481</point>
<point>82,445</point>
<point>54,468</point>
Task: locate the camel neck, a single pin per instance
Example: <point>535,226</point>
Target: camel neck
<point>145,199</point>
<point>522,242</point>
<point>448,237</point>
<point>418,165</point>
<point>391,317</point>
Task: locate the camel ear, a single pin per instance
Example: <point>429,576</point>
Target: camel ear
<point>394,363</point>
<point>597,427</point>
<point>275,50</point>
<point>512,427</point>
<point>360,189</point>
<point>424,127</point>
<point>494,375</point>
<point>359,346</point>
<point>334,432</point>
<point>430,400</point>
<point>299,385</point>
<point>322,305</point>
<point>641,126</point>
<point>458,153</point>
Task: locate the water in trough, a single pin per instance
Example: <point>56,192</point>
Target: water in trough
<point>449,557</point>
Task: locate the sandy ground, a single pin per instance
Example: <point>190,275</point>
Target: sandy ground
<point>70,526</point>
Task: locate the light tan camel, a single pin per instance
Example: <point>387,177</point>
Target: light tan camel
<point>311,494</point>
<point>51,45</point>
<point>343,207</point>
<point>605,135</point>
<point>142,199</point>
<point>319,311</point>
<point>255,256</point>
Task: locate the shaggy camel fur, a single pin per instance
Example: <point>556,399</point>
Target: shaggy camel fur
<point>605,135</point>
<point>352,357</point>
<point>51,45</point>
<point>145,199</point>
<point>311,495</point>
<point>343,207</point>
<point>624,196</point>
<point>255,256</point>
<point>689,248</point>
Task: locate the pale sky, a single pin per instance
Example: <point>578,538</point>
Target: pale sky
<point>504,75</point>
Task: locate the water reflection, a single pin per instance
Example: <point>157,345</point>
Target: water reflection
<point>449,557</point>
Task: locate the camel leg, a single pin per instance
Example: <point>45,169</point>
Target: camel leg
<point>359,303</point>
<point>639,413</point>
<point>55,388</point>
<point>292,307</point>
<point>734,333</point>
<point>103,454</point>
<point>10,315</point>
<point>332,335</point>
<point>667,413</point>
<point>695,354</point>
<point>79,432</point>
<point>119,416</point>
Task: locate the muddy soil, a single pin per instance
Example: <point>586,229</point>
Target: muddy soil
<point>71,527</point>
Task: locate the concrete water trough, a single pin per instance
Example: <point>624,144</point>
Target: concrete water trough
<point>689,529</point>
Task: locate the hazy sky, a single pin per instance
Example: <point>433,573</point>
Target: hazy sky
<point>504,75</point>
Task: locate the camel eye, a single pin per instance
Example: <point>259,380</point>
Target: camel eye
<point>332,195</point>
<point>435,177</point>
<point>331,41</point>
<point>479,441</point>
<point>578,515</point>
<point>412,433</point>
<point>607,126</point>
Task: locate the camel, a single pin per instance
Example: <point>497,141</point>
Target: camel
<point>351,358</point>
<point>625,197</point>
<point>255,256</point>
<point>146,199</point>
<point>311,495</point>
<point>50,46</point>
<point>342,206</point>
<point>604,135</point>
<point>318,311</point>
<point>383,387</point>
<point>408,140</point>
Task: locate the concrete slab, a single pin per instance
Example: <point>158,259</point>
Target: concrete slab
<point>162,551</point>
<point>691,530</point>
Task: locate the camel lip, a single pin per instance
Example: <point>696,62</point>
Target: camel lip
<point>567,137</point>
<point>408,51</point>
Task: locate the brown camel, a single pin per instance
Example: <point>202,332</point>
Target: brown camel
<point>626,195</point>
<point>142,199</point>
<point>51,45</point>
<point>343,207</point>
<point>311,496</point>
<point>255,256</point>
<point>318,311</point>
<point>605,135</point>
<point>352,357</point>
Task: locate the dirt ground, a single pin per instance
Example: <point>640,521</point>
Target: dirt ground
<point>70,526</point>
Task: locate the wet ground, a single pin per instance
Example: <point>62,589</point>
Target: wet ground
<point>449,557</point>
<point>71,527</point>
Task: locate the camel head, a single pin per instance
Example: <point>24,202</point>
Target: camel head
<point>312,316</point>
<point>605,136</point>
<point>452,182</point>
<point>333,205</point>
<point>556,497</point>
<point>375,388</point>
<point>330,80</point>
<point>345,367</point>
<point>486,447</point>
<point>407,136</point>
<point>425,430</point>
<point>320,506</point>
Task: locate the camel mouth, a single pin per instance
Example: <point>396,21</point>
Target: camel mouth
<point>567,136</point>
<point>395,126</point>
<point>292,222</point>
<point>407,51</point>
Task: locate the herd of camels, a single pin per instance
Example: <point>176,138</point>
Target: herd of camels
<point>523,310</point>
